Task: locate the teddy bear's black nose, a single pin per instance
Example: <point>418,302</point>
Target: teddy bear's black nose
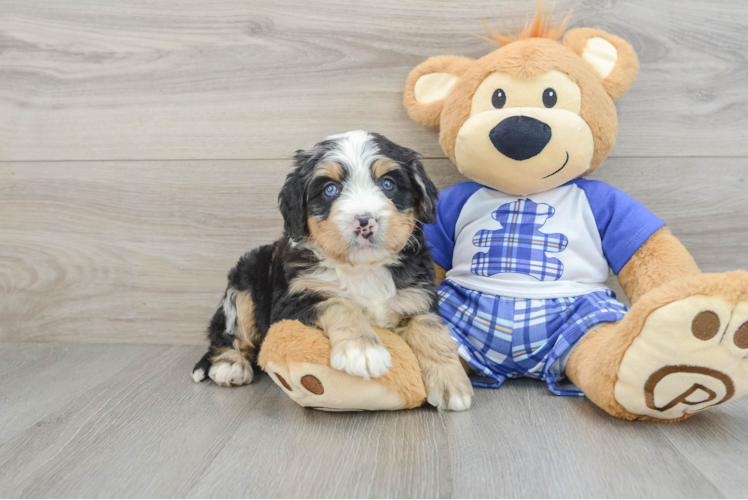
<point>520,137</point>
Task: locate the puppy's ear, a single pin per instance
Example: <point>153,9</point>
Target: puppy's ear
<point>429,83</point>
<point>612,58</point>
<point>428,194</point>
<point>292,198</point>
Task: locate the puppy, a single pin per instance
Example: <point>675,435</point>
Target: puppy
<point>352,255</point>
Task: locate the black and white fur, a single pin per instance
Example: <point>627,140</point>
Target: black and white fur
<point>352,256</point>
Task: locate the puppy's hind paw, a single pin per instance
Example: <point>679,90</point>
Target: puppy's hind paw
<point>449,388</point>
<point>451,402</point>
<point>228,374</point>
<point>198,375</point>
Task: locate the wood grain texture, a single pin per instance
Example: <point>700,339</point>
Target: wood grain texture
<point>146,430</point>
<point>236,79</point>
<point>138,251</point>
<point>522,441</point>
<point>331,455</point>
<point>40,378</point>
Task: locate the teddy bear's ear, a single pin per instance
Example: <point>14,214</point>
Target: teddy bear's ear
<point>429,83</point>
<point>613,58</point>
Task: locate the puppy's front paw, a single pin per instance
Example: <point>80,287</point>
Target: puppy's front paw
<point>365,357</point>
<point>448,387</point>
<point>228,374</point>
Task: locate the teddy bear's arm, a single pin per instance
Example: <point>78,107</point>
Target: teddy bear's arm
<point>662,258</point>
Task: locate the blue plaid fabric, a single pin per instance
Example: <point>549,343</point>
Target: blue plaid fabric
<point>519,246</point>
<point>507,338</point>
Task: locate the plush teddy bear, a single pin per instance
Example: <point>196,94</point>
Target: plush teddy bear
<point>523,252</point>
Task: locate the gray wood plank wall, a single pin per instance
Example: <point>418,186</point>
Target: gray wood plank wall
<point>142,144</point>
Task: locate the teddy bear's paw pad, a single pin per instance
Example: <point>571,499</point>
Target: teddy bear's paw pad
<point>227,374</point>
<point>283,381</point>
<point>308,382</point>
<point>691,355</point>
<point>362,357</point>
<point>313,384</point>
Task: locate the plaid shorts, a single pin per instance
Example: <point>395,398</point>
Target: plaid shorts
<point>504,337</point>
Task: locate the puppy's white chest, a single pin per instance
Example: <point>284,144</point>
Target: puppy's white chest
<point>370,288</point>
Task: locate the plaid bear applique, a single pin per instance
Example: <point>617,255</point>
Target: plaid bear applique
<point>519,246</point>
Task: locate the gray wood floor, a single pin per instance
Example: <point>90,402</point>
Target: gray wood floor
<point>142,147</point>
<point>84,420</point>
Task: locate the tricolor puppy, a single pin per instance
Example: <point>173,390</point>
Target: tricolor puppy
<point>352,255</point>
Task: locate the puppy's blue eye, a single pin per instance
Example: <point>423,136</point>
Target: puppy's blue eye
<point>387,185</point>
<point>331,190</point>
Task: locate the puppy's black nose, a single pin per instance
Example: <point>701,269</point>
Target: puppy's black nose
<point>365,226</point>
<point>520,137</point>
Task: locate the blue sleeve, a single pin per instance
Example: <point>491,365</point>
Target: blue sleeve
<point>440,236</point>
<point>624,223</point>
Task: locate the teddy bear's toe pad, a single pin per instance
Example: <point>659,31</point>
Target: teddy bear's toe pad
<point>691,354</point>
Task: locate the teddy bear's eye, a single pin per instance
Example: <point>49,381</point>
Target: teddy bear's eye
<point>549,97</point>
<point>498,99</point>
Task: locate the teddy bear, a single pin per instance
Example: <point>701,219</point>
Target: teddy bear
<point>522,250</point>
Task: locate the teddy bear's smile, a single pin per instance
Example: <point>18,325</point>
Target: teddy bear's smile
<point>560,169</point>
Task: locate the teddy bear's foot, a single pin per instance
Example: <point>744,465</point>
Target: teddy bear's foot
<point>325,388</point>
<point>297,358</point>
<point>691,355</point>
<point>681,349</point>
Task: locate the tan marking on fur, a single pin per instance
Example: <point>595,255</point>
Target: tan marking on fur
<point>290,342</point>
<point>311,283</point>
<point>245,314</point>
<point>240,353</point>
<point>407,302</point>
<point>436,353</point>
<point>594,365</point>
<point>342,319</point>
<point>382,166</point>
<point>329,169</point>
<point>399,228</point>
<point>326,236</point>
<point>410,301</point>
<point>661,259</point>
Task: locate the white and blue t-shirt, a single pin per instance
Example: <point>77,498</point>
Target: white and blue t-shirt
<point>559,243</point>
